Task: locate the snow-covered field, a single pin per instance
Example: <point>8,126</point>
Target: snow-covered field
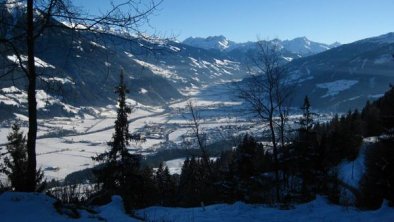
<point>38,207</point>
<point>66,145</point>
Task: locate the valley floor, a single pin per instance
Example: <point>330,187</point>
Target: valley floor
<point>38,207</point>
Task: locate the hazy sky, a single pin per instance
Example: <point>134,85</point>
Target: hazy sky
<point>244,20</point>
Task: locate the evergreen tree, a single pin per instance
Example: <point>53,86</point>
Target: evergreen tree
<point>166,185</point>
<point>146,189</point>
<point>120,169</point>
<point>305,154</point>
<point>371,115</point>
<point>306,120</point>
<point>249,158</point>
<point>378,181</point>
<point>247,168</point>
<point>16,162</point>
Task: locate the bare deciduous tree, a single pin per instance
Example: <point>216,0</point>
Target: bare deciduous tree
<point>267,94</point>
<point>195,125</point>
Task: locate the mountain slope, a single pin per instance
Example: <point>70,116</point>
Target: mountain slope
<point>346,76</point>
<point>80,68</point>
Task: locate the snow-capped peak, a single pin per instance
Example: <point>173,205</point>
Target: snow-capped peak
<point>303,45</point>
<point>211,42</point>
<point>300,45</point>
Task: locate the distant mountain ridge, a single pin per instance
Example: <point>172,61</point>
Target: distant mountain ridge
<point>301,46</point>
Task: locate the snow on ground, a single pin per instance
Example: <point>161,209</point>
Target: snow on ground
<point>351,173</point>
<point>37,61</point>
<point>386,58</point>
<point>57,79</point>
<point>58,158</point>
<point>16,97</point>
<point>375,96</point>
<point>66,145</point>
<point>114,211</point>
<point>335,87</point>
<point>218,95</point>
<point>28,207</point>
<point>176,136</point>
<point>39,207</point>
<point>317,210</point>
<point>97,45</point>
<point>159,70</point>
<point>20,207</point>
<point>289,59</point>
<point>142,91</point>
<point>204,103</point>
<point>175,165</point>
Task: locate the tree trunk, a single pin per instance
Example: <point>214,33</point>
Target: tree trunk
<point>275,151</point>
<point>32,103</point>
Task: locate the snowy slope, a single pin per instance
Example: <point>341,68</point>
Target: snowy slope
<point>346,76</point>
<point>38,207</point>
<point>317,210</point>
<point>20,207</point>
<point>79,68</point>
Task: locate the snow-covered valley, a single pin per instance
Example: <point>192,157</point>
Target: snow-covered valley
<point>67,144</point>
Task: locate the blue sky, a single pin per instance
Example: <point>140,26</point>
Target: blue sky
<point>246,20</point>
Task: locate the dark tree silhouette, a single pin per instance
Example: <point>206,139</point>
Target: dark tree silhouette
<point>118,162</point>
<point>16,161</point>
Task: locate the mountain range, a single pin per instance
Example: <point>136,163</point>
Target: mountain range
<point>79,69</point>
<point>301,46</point>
